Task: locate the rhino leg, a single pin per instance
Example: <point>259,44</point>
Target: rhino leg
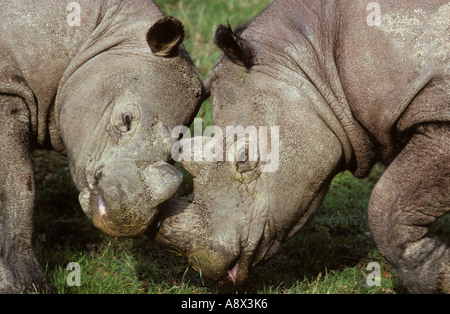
<point>19,267</point>
<point>412,194</point>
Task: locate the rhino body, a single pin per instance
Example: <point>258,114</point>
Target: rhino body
<point>102,81</point>
<point>346,93</point>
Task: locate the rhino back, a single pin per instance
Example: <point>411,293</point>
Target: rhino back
<point>38,42</point>
<point>396,74</point>
<point>39,49</point>
<point>379,80</point>
<point>37,45</point>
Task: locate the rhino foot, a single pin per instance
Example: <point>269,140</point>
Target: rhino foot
<point>409,197</point>
<point>22,275</point>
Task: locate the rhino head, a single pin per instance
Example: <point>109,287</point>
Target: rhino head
<point>243,208</point>
<point>115,110</point>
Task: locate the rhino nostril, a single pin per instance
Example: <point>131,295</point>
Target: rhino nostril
<point>97,176</point>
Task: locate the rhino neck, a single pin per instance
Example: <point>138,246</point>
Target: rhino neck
<point>300,40</point>
<point>120,25</point>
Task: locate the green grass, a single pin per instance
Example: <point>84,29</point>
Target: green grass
<point>329,255</point>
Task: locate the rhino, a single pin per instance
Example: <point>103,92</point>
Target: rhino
<point>102,82</point>
<point>349,84</point>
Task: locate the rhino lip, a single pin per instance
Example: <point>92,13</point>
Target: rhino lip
<point>101,206</point>
<point>237,274</point>
<point>232,273</point>
<point>237,271</point>
<point>239,268</point>
<point>100,216</point>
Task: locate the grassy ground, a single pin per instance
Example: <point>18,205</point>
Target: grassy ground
<point>329,255</point>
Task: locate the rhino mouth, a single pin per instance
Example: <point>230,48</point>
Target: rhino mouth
<point>265,245</point>
<point>239,269</point>
<point>101,206</point>
<point>181,230</point>
<point>101,219</point>
<point>104,222</point>
<point>232,273</point>
<point>124,203</point>
<point>98,211</point>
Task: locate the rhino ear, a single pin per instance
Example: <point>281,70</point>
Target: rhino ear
<point>165,37</point>
<point>237,49</point>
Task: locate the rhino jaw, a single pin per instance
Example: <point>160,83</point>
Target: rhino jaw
<point>127,213</point>
<point>182,228</point>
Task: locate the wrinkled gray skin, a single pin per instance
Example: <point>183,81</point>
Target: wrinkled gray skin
<point>106,93</point>
<point>345,95</point>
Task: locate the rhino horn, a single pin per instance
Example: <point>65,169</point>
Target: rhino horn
<point>193,167</point>
<point>198,152</point>
<point>162,179</point>
<point>165,37</point>
<point>178,225</point>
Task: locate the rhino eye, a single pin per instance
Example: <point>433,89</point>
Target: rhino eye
<point>242,157</point>
<point>127,118</point>
<point>243,163</point>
